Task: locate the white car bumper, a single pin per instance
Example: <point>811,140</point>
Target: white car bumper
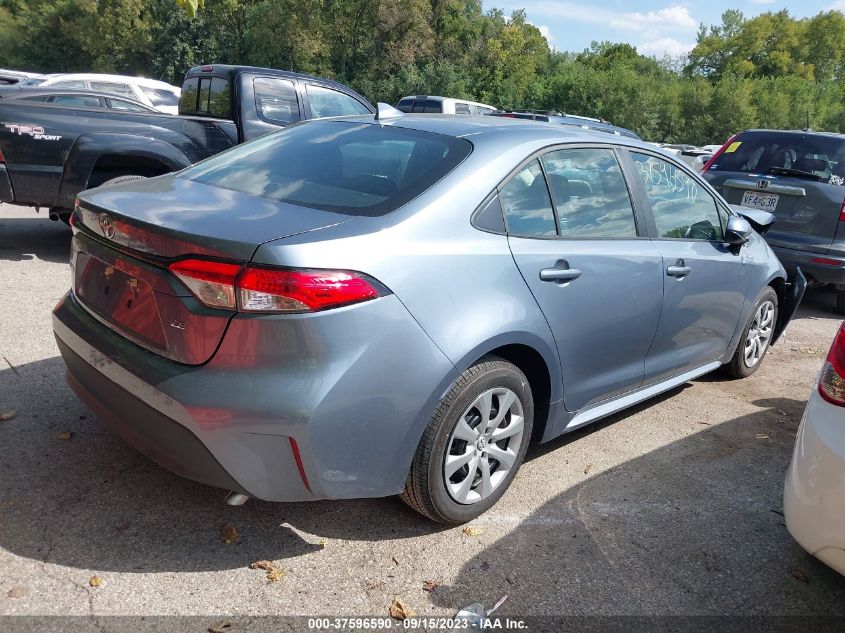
<point>814,493</point>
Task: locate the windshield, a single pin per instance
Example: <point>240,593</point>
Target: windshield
<point>808,155</point>
<point>353,168</point>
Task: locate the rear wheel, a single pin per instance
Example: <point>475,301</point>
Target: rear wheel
<point>756,337</point>
<point>474,444</point>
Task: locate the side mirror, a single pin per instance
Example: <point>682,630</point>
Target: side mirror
<point>738,231</point>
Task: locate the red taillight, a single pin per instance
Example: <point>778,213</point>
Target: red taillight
<point>213,283</point>
<point>842,212</point>
<point>206,69</point>
<point>278,290</point>
<point>274,290</point>
<point>832,378</point>
<point>2,158</point>
<point>826,261</point>
<point>720,151</point>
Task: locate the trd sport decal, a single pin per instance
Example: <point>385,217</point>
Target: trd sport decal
<point>35,131</point>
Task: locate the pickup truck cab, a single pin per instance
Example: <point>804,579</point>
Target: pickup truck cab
<point>49,153</point>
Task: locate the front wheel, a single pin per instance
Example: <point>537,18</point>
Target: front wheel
<point>756,337</point>
<point>474,444</point>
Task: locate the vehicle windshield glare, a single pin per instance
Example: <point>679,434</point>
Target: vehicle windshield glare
<point>352,168</point>
<point>813,156</point>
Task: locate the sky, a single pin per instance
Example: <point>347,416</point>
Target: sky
<point>655,27</point>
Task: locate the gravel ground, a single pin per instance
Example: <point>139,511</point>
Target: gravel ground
<point>673,508</point>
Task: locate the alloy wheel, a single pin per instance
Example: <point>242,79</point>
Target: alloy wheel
<point>760,333</point>
<point>483,446</point>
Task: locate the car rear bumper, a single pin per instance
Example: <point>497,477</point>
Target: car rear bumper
<point>828,269</point>
<point>814,492</point>
<point>282,412</point>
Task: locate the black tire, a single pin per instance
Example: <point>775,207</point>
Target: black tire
<point>840,301</point>
<point>121,179</point>
<point>738,367</point>
<point>425,489</point>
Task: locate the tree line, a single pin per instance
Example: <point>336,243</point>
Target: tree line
<point>772,70</point>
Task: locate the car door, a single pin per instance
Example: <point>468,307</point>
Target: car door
<point>704,279</point>
<point>575,237</point>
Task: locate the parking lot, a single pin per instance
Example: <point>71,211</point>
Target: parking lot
<point>672,508</point>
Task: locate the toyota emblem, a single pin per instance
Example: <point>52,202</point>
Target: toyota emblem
<point>106,226</point>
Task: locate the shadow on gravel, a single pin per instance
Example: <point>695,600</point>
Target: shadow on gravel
<point>695,527</point>
<point>37,237</point>
<point>94,502</point>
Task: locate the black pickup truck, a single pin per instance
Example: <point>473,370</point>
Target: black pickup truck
<point>49,153</point>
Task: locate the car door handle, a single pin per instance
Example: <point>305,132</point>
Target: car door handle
<point>560,273</point>
<point>678,271</point>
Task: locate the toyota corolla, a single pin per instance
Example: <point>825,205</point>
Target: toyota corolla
<point>363,307</point>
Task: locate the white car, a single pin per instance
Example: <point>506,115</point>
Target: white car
<point>814,493</point>
<point>156,94</point>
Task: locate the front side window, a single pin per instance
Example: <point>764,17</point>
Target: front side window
<point>681,207</point>
<point>327,102</point>
<point>341,166</point>
<point>526,203</point>
<point>590,194</point>
<point>275,100</point>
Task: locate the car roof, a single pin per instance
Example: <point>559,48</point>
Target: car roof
<point>140,81</point>
<point>490,129</point>
<point>232,69</point>
<point>797,132</point>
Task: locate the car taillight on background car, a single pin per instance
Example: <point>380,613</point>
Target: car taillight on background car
<point>832,378</point>
<point>265,289</point>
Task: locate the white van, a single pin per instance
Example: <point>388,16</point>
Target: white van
<point>156,94</point>
<point>443,105</point>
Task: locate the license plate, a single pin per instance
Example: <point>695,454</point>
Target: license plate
<point>765,201</point>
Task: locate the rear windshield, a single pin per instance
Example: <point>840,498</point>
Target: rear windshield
<point>352,168</point>
<point>208,96</point>
<point>813,156</point>
<point>429,106</point>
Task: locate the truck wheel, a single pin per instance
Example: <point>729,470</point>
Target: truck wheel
<point>121,179</point>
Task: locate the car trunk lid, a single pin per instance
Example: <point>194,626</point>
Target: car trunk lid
<point>120,258</point>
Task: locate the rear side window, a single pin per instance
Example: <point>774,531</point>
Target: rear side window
<point>160,97</point>
<point>527,205</point>
<point>327,102</point>
<point>681,207</point>
<point>461,108</point>
<point>74,101</point>
<point>275,100</point>
<point>113,88</point>
<point>812,156</point>
<point>120,104</point>
<point>350,168</point>
<point>70,83</point>
<point>590,194</point>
